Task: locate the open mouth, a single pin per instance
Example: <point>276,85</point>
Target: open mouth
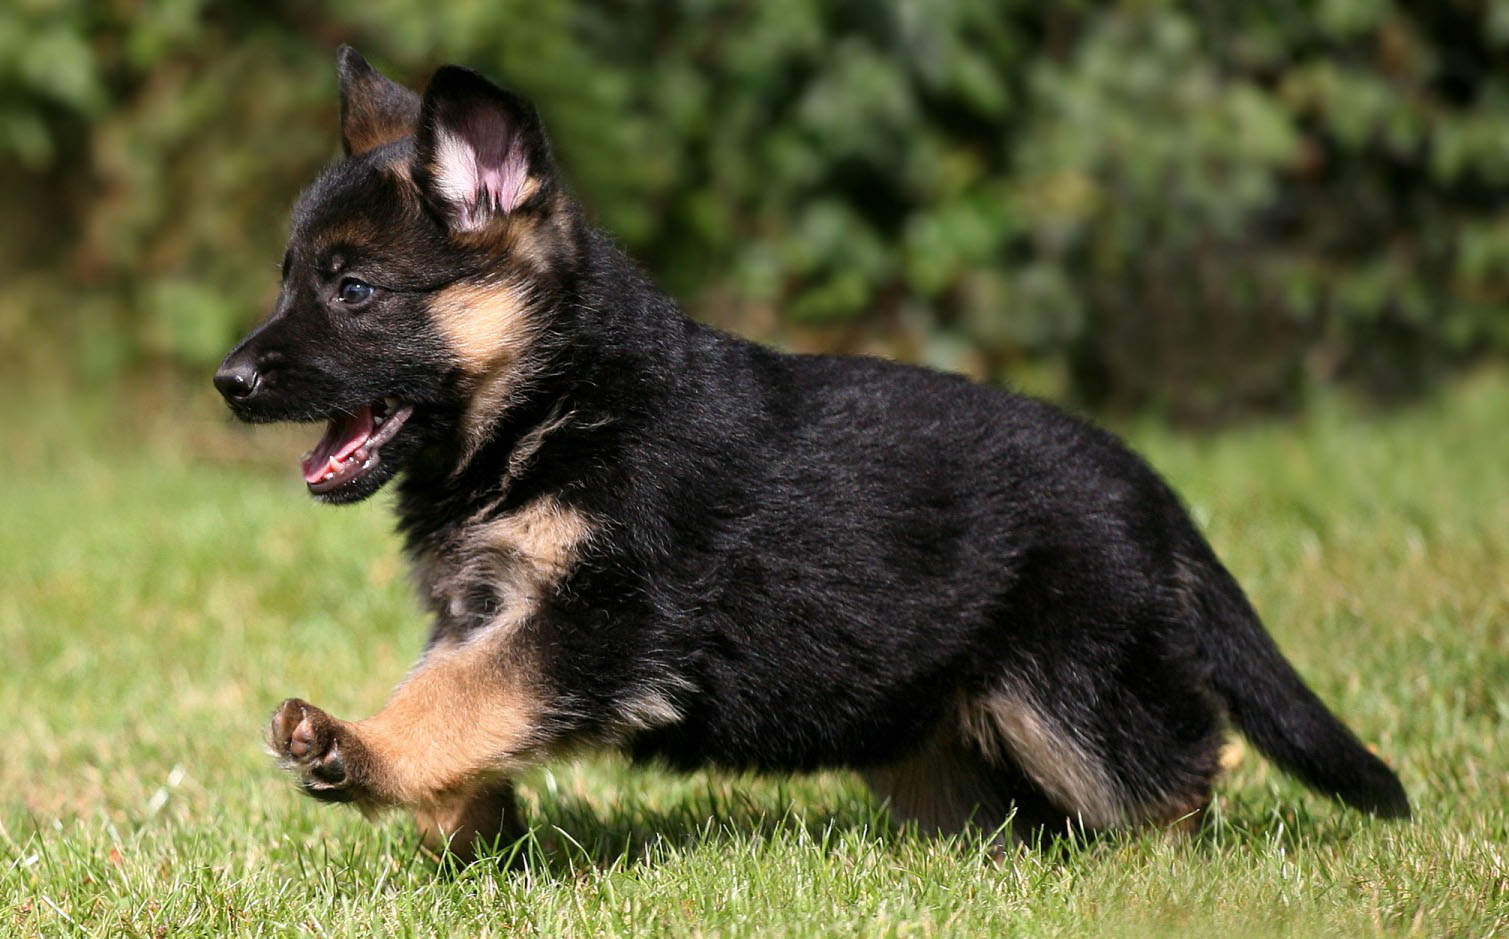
<point>349,449</point>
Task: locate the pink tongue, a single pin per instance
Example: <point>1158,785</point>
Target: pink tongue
<point>343,435</point>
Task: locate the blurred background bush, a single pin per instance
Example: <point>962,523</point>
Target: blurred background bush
<point>1203,208</point>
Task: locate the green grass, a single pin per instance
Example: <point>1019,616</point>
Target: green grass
<point>164,582</point>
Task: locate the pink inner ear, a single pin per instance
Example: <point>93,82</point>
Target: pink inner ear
<point>504,185</point>
<point>480,167</point>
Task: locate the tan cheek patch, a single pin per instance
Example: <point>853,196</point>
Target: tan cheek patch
<point>483,324</point>
<point>488,330</point>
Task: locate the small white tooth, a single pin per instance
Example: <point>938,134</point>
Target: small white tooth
<point>377,420</point>
<point>330,475</point>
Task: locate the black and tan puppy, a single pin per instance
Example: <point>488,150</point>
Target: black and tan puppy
<point>637,532</point>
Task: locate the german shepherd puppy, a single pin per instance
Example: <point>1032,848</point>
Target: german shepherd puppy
<point>637,532</point>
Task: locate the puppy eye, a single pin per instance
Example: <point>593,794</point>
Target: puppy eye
<point>354,292</point>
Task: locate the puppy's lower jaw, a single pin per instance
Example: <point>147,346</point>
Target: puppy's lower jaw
<point>351,443</point>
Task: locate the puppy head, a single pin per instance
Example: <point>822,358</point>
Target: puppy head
<point>422,270</point>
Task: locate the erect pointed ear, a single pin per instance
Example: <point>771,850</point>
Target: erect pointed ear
<point>374,109</point>
<point>481,152</point>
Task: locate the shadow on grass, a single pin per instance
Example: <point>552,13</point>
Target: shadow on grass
<point>571,833</point>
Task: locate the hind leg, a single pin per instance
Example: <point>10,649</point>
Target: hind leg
<point>466,825</point>
<point>948,787</point>
<point>1098,691</point>
<point>1109,757</point>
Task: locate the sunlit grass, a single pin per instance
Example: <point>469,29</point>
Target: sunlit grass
<point>164,582</point>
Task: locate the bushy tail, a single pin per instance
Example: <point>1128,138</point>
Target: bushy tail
<point>1272,706</point>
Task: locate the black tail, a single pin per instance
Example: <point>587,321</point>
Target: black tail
<point>1270,703</point>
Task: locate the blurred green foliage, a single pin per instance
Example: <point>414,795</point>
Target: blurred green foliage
<point>1203,207</point>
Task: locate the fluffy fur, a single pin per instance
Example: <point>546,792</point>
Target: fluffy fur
<point>635,531</point>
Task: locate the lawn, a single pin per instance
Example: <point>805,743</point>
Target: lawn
<point>164,583</point>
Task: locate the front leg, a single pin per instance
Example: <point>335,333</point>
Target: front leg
<point>443,746</point>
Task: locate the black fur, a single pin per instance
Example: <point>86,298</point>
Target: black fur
<point>812,559</point>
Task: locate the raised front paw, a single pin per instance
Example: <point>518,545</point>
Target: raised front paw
<point>320,750</point>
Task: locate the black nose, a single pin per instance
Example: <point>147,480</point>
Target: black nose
<point>236,381</point>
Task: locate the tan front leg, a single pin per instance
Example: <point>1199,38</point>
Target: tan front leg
<point>465,718</point>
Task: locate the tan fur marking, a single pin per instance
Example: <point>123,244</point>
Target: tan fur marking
<point>467,714</point>
<point>1049,755</point>
<point>482,323</point>
<point>348,233</point>
<point>465,717</point>
<point>367,127</point>
<point>942,789</point>
<point>488,329</point>
<point>520,239</point>
<point>527,248</point>
<point>476,820</point>
<point>1185,816</point>
<point>401,170</point>
<point>519,557</point>
<point>651,709</point>
<point>543,535</point>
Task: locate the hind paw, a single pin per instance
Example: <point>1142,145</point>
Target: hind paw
<point>320,750</point>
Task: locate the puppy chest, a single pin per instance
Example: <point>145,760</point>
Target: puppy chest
<point>495,571</point>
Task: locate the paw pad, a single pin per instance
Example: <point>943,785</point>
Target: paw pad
<point>307,741</point>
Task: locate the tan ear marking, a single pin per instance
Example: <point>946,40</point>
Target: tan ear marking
<point>367,129</point>
<point>374,109</point>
